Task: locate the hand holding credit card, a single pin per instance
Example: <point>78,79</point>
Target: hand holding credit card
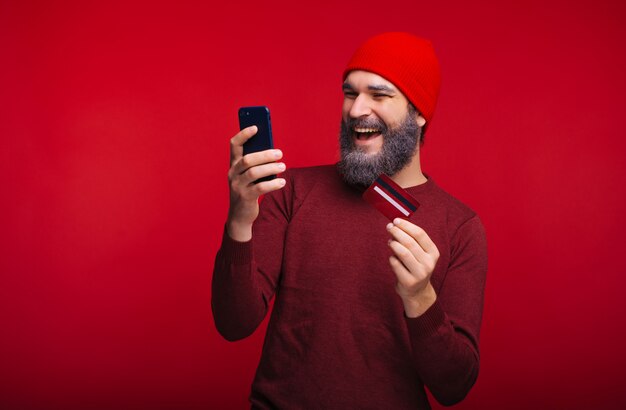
<point>390,199</point>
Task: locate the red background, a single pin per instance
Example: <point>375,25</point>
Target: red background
<point>114,125</point>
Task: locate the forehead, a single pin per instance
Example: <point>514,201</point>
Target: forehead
<point>360,79</point>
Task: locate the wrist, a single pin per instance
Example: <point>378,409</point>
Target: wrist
<point>419,303</point>
<point>239,231</point>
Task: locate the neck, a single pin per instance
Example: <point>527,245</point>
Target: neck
<point>411,175</point>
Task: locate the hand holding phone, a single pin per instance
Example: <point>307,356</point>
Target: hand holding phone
<point>253,169</point>
<point>262,140</point>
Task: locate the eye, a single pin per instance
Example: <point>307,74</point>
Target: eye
<point>380,96</point>
<point>350,95</point>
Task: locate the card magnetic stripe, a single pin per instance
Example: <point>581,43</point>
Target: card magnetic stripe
<point>396,194</point>
<point>390,200</point>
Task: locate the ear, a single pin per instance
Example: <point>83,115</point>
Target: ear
<point>421,121</point>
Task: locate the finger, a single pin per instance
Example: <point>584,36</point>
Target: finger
<point>402,273</point>
<point>407,258</point>
<point>407,241</point>
<point>236,142</point>
<point>260,171</point>
<point>265,187</point>
<point>420,236</point>
<point>256,158</point>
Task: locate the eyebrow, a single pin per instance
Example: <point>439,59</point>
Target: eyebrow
<point>371,87</point>
<point>381,87</point>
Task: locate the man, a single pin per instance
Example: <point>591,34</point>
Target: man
<point>366,313</point>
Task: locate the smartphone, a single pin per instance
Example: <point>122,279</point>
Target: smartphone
<point>262,140</point>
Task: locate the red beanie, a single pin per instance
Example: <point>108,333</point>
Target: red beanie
<point>407,61</point>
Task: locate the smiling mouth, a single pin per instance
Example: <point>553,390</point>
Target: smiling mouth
<point>364,134</point>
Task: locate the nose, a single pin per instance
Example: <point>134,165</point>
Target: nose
<point>360,107</point>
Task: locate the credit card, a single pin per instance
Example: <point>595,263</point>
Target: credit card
<point>390,198</point>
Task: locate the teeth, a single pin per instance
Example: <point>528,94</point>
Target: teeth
<point>365,130</point>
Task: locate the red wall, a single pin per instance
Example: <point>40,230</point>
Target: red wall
<point>114,126</point>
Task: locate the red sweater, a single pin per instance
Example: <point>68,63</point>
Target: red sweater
<point>338,337</point>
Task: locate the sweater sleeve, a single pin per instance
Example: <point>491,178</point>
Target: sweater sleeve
<point>445,338</point>
<point>245,274</point>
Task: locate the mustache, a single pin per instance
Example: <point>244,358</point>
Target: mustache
<point>377,123</point>
<point>399,144</point>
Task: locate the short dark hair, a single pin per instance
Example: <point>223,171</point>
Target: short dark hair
<point>422,130</point>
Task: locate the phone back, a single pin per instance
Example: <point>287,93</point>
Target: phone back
<point>259,116</point>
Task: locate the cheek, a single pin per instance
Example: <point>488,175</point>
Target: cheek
<point>345,109</point>
<point>392,117</point>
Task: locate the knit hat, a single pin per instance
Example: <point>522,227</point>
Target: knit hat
<point>407,61</point>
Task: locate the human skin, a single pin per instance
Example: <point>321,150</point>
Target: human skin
<point>244,194</point>
<point>366,95</point>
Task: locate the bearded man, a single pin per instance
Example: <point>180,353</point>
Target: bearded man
<point>367,313</point>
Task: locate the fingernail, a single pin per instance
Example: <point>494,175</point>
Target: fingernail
<point>389,226</point>
<point>396,221</point>
<point>277,153</point>
<point>282,182</point>
<point>281,166</point>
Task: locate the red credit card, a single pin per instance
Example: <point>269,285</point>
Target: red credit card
<point>390,198</point>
